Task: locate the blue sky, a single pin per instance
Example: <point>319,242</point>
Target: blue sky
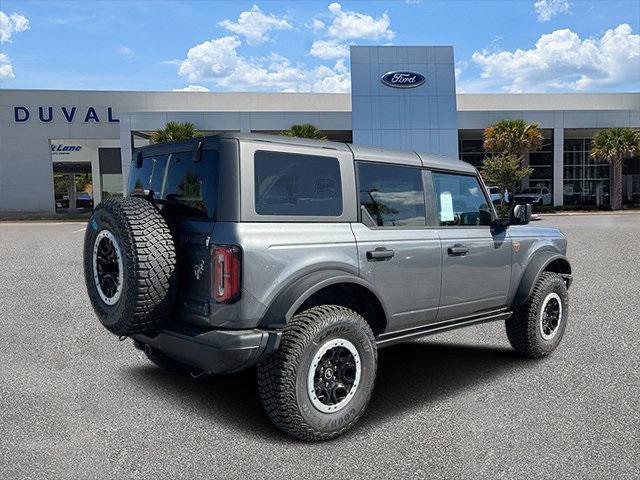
<point>500,46</point>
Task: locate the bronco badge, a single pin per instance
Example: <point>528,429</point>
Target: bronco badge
<point>198,268</point>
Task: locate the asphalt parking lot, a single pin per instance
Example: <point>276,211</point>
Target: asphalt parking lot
<point>76,403</point>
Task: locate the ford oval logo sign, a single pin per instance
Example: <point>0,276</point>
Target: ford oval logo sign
<point>403,79</point>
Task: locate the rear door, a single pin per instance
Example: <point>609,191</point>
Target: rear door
<point>476,259</point>
<point>397,252</point>
<point>185,187</point>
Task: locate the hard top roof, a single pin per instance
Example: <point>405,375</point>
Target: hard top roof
<point>360,152</point>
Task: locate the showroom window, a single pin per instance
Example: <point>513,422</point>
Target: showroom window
<point>541,161</point>
<point>586,180</point>
<point>472,151</point>
<point>110,172</point>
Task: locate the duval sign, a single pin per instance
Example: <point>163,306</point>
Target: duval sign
<point>402,79</point>
<point>65,114</point>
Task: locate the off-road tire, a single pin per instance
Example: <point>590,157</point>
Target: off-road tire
<point>282,378</point>
<point>149,265</point>
<point>523,327</point>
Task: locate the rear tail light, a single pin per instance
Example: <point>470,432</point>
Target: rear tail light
<point>226,273</point>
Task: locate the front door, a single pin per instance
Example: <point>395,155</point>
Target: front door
<point>476,259</point>
<point>398,253</point>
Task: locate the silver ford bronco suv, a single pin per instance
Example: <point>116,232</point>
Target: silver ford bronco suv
<point>303,257</point>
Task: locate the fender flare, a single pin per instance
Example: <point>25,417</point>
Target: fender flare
<point>538,264</point>
<point>293,295</point>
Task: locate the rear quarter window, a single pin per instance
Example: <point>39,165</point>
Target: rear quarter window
<point>297,184</point>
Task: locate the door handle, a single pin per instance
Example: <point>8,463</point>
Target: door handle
<point>458,250</point>
<point>380,253</point>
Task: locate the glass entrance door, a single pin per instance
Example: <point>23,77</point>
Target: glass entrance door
<point>73,187</point>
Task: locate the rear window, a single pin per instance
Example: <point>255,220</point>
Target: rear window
<point>295,184</point>
<point>185,188</point>
<point>149,176</point>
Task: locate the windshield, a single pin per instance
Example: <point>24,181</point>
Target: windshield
<point>534,191</point>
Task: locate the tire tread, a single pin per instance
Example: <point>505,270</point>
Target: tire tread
<point>277,375</point>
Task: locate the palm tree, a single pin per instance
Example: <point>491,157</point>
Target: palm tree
<point>175,132</point>
<point>510,140</point>
<point>615,145</point>
<point>304,130</point>
<point>513,138</point>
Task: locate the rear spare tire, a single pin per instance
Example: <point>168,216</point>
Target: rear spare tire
<point>130,265</point>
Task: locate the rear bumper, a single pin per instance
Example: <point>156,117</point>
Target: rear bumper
<point>214,351</point>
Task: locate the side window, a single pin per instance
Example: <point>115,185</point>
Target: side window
<point>391,195</point>
<point>295,184</point>
<point>460,200</point>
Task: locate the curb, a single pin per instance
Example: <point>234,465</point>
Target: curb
<point>571,214</point>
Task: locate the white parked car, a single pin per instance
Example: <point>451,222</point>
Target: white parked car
<point>534,196</point>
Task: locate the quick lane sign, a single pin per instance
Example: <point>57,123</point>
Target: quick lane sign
<point>45,114</point>
<point>62,149</point>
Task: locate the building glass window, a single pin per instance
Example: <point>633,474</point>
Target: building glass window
<point>635,189</point>
<point>586,180</point>
<point>541,161</point>
<point>110,172</point>
<point>472,151</point>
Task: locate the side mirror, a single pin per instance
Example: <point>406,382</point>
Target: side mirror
<point>520,214</point>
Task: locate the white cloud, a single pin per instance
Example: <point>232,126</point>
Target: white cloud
<point>459,68</point>
<point>219,62</point>
<point>254,25</point>
<point>126,51</point>
<point>192,88</point>
<point>561,60</point>
<point>547,9</point>
<point>10,24</point>
<point>346,26</point>
<point>6,70</point>
<point>316,25</point>
<point>329,49</point>
<point>351,25</point>
<point>211,59</point>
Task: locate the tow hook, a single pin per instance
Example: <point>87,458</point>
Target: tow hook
<point>196,374</point>
<point>148,350</point>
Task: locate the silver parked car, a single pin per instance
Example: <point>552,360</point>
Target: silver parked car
<point>534,196</point>
<point>305,257</point>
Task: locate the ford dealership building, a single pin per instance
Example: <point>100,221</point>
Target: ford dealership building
<point>63,151</point>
